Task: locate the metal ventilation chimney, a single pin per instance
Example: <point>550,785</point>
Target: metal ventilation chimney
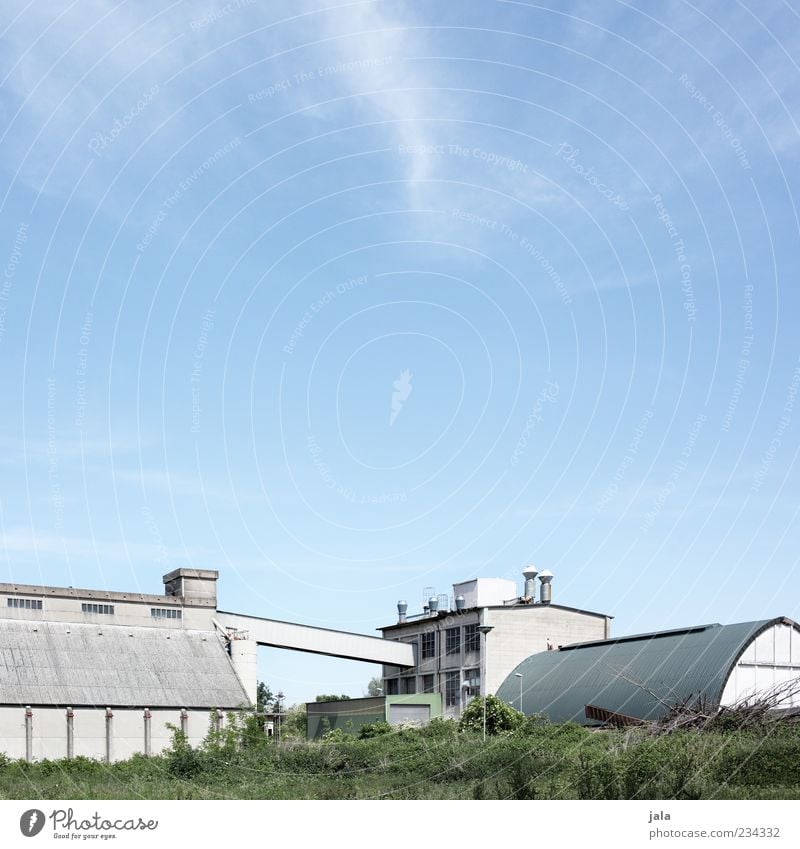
<point>545,591</point>
<point>530,573</point>
<point>433,605</point>
<point>461,603</point>
<point>402,607</point>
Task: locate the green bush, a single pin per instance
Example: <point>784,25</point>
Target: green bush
<point>374,729</point>
<point>499,716</point>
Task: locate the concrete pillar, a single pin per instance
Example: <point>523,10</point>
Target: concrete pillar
<point>244,657</point>
<point>185,723</point>
<point>70,733</point>
<point>28,734</point>
<point>109,733</point>
<point>147,732</point>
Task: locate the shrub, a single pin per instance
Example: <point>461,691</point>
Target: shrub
<point>500,717</point>
<point>374,729</point>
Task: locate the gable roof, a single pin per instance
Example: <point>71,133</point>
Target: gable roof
<point>59,663</point>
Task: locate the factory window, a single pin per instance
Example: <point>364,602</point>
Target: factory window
<point>451,688</point>
<point>391,686</point>
<point>409,685</point>
<point>472,677</point>
<point>453,640</point>
<point>87,607</point>
<point>165,613</point>
<point>429,645</point>
<point>472,638</point>
<point>26,603</point>
<point>427,684</point>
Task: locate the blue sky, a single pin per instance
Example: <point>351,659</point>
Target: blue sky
<point>348,300</point>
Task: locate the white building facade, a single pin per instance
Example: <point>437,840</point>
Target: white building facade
<point>454,657</point>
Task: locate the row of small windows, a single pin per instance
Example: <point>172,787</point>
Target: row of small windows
<point>472,641</point>
<point>166,613</point>
<point>26,603</point>
<point>91,607</point>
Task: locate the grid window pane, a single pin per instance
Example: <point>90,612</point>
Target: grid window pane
<point>451,685</point>
<point>427,684</point>
<point>473,678</point>
<point>429,645</point>
<point>472,638</point>
<point>409,685</point>
<point>453,636</point>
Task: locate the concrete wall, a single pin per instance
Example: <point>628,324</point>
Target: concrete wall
<point>127,727</point>
<point>519,632</point>
<point>57,608</point>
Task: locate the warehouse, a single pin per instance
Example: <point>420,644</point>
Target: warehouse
<point>107,674</point>
<point>642,676</point>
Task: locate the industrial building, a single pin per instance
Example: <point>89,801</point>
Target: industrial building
<point>103,674</point>
<point>107,674</point>
<point>466,645</point>
<point>641,677</point>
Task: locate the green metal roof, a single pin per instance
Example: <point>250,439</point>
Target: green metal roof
<point>632,675</point>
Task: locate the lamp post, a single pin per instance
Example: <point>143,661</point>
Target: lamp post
<point>484,629</point>
<point>278,699</point>
<point>519,675</point>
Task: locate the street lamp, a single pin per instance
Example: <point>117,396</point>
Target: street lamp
<point>278,699</point>
<point>519,675</point>
<point>484,629</point>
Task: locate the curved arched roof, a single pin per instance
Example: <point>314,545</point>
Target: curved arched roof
<point>638,676</point>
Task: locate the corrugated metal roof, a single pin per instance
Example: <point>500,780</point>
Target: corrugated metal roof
<point>59,663</point>
<point>631,676</point>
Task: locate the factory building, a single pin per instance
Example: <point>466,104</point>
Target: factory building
<point>104,674</point>
<point>640,677</point>
<point>466,645</point>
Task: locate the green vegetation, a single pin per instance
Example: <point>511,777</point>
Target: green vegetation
<point>535,760</point>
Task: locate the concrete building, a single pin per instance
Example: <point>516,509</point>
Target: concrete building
<point>103,674</point>
<point>466,645</point>
<point>640,676</point>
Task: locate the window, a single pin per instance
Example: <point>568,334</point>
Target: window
<point>391,687</point>
<point>453,636</point>
<point>472,638</point>
<point>473,678</point>
<point>26,603</point>
<point>451,688</point>
<point>409,685</point>
<point>87,607</point>
<point>166,613</point>
<point>427,684</point>
<point>429,645</point>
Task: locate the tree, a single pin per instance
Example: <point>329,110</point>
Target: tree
<point>500,716</point>
<point>375,687</point>
<point>330,698</point>
<point>264,697</point>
